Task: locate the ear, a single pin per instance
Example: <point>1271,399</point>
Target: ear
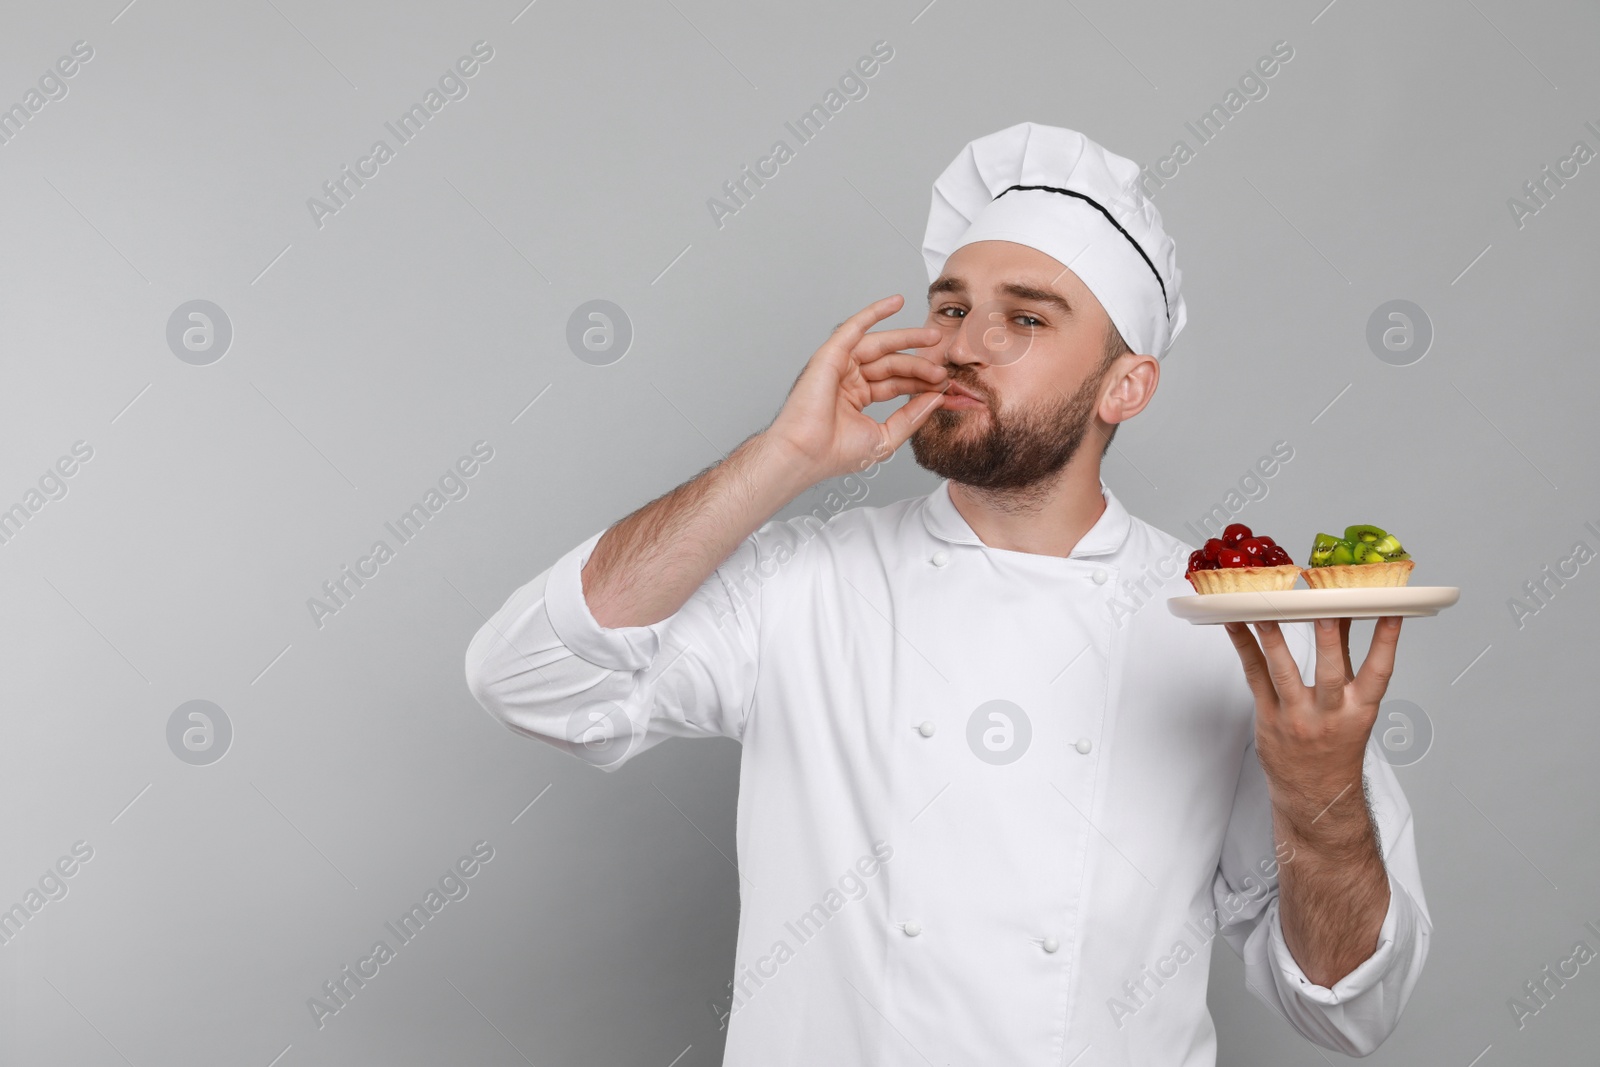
<point>1132,382</point>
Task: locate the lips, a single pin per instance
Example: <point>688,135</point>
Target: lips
<point>958,397</point>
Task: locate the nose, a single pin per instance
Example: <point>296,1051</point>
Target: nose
<point>991,336</point>
<point>966,347</point>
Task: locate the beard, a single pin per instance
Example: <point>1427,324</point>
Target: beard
<point>1014,451</point>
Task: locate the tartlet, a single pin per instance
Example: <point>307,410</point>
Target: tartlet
<point>1365,557</point>
<point>1241,562</point>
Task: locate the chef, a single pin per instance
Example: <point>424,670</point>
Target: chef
<point>996,803</point>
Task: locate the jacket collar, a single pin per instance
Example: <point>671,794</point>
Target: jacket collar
<point>1105,537</point>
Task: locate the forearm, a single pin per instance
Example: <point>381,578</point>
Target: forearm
<point>1333,890</point>
<point>644,568</point>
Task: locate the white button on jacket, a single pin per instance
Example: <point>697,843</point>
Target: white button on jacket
<point>814,644</point>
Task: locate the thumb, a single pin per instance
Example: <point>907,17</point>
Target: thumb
<point>899,426</point>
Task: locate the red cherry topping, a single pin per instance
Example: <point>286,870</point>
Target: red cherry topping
<point>1235,533</point>
<point>1238,547</point>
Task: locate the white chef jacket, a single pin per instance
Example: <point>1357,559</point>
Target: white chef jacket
<point>993,805</point>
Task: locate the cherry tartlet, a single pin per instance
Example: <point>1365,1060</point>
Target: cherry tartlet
<point>1241,561</point>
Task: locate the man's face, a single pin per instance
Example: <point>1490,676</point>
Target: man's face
<point>1026,338</point>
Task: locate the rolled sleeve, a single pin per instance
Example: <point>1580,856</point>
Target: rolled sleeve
<point>1353,985</point>
<point>546,668</point>
<point>621,648</point>
<point>1361,1009</point>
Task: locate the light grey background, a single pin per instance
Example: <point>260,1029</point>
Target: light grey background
<point>431,310</point>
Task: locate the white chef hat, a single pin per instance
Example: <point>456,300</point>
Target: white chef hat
<point>1055,190</point>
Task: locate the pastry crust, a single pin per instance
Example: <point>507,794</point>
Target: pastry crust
<point>1244,579</point>
<point>1359,575</point>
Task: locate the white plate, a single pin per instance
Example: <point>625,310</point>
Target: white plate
<point>1296,605</point>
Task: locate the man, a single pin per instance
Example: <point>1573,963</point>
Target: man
<point>994,804</point>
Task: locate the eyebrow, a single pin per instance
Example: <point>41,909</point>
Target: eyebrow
<point>958,287</point>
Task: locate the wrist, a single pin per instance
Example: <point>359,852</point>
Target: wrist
<point>780,466</point>
<point>1341,830</point>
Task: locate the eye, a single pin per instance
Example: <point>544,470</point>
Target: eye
<point>952,307</point>
<point>1032,323</point>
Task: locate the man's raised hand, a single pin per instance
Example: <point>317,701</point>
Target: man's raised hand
<point>822,424</point>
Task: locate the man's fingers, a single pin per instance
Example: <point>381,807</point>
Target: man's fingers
<point>903,365</point>
<point>1255,664</point>
<point>1378,667</point>
<point>897,428</point>
<point>1280,661</point>
<point>889,388</point>
<point>882,342</point>
<point>1330,674</point>
<point>831,364</point>
<point>849,333</point>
